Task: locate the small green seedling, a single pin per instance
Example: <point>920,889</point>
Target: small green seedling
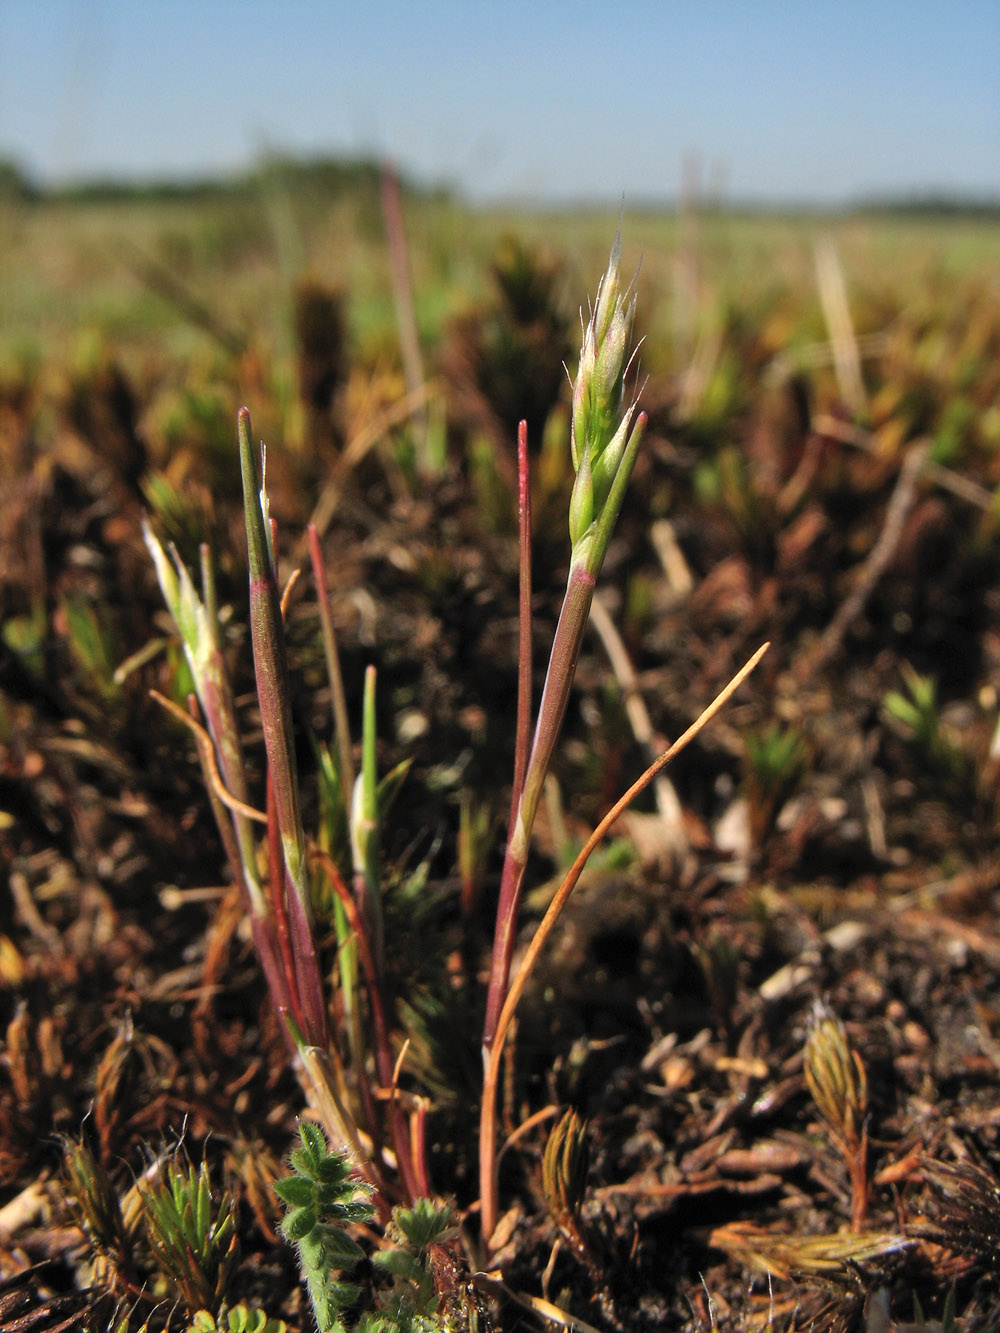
<point>191,1236</point>
<point>918,711</point>
<point>239,1319</point>
<point>775,757</point>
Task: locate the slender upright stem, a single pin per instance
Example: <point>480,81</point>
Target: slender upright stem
<point>524,646</point>
<point>273,693</point>
<point>338,699</point>
<point>603,445</point>
<point>492,1057</point>
<point>551,711</point>
<point>364,827</point>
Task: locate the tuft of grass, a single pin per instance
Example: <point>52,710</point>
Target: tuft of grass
<point>91,643</point>
<point>97,1208</point>
<point>918,713</point>
<point>565,1164</point>
<point>191,1235</point>
<point>374,1142</point>
<point>836,1078</point>
<point>775,758</point>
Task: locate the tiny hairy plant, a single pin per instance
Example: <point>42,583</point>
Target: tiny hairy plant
<point>417,1258</point>
<point>191,1236</point>
<point>322,1199</point>
<point>237,1319</point>
<point>966,1219</point>
<point>835,1076</point>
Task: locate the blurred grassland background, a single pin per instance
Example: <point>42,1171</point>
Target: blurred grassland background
<point>95,272</point>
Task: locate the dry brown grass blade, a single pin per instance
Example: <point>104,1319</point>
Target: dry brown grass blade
<point>206,753</point>
<point>786,1256</point>
<point>547,924</point>
<point>492,1055</point>
<point>837,312</point>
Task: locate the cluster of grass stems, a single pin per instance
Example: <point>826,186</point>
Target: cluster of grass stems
<point>350,1076</point>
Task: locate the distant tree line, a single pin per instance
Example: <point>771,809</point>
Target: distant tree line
<point>321,176</point>
<point>15,183</point>
<point>935,204</point>
<point>328,177</point>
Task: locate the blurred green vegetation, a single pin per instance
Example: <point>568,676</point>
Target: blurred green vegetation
<point>72,261</point>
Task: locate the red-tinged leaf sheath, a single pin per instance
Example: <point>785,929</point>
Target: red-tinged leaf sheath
<point>523,732</point>
<point>271,669</point>
<point>551,712</point>
<point>282,945</point>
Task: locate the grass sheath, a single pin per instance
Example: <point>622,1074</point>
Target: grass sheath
<point>271,670</point>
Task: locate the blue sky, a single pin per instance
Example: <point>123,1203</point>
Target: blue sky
<point>805,100</point>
